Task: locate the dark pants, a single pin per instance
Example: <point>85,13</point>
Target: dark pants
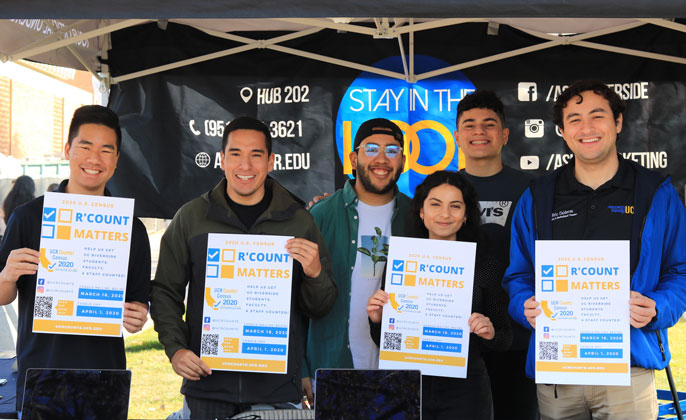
<point>453,398</point>
<point>514,395</point>
<point>202,409</point>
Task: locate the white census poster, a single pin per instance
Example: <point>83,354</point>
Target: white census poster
<point>425,324</point>
<point>583,333</point>
<point>84,260</point>
<point>247,308</point>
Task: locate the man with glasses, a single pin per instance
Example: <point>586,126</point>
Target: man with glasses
<point>356,223</point>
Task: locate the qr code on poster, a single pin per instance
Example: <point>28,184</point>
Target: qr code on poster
<point>392,341</point>
<point>548,350</point>
<point>209,344</point>
<point>43,307</point>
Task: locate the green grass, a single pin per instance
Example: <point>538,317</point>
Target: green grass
<point>677,345</point>
<point>155,387</point>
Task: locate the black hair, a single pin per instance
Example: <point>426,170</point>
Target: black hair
<point>377,126</point>
<point>481,99</point>
<point>617,105</point>
<point>248,123</point>
<point>21,193</point>
<point>94,114</point>
<point>471,230</point>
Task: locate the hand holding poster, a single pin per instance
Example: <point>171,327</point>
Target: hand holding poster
<point>247,307</point>
<point>84,259</point>
<point>582,336</point>
<point>425,324</point>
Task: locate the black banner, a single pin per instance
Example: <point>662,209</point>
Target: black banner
<point>172,121</point>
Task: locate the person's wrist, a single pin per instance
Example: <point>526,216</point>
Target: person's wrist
<point>4,278</point>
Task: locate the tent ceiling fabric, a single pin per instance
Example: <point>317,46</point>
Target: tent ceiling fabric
<point>242,9</point>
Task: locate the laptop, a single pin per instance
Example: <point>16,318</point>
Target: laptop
<point>368,394</point>
<point>91,394</point>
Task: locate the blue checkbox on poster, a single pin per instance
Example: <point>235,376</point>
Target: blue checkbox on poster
<point>398,265</point>
<point>547,270</point>
<point>213,254</point>
<point>48,231</point>
<point>212,271</point>
<point>548,286</point>
<point>397,279</point>
<point>49,214</point>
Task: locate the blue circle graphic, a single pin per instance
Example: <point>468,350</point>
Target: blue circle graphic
<point>426,109</point>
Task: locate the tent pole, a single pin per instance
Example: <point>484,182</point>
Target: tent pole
<point>244,40</point>
<point>489,59</point>
<point>579,37</point>
<point>628,51</point>
<point>106,79</point>
<point>413,77</point>
<point>441,23</point>
<point>254,44</point>
<point>575,40</point>
<point>76,54</point>
<point>554,41</point>
<point>56,35</point>
<point>183,63</point>
<point>343,63</point>
<point>30,52</point>
<point>402,57</point>
<point>331,25</point>
<point>666,24</point>
<point>293,51</point>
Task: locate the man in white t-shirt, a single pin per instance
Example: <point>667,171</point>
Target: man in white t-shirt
<point>356,223</point>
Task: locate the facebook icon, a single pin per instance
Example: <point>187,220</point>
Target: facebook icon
<point>526,91</point>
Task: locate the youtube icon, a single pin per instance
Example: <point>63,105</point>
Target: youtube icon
<point>529,162</point>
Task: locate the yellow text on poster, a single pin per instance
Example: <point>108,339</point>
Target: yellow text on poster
<point>74,327</point>
<point>394,356</point>
<point>252,365</point>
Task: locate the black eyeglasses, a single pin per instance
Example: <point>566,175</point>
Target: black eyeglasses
<point>391,151</point>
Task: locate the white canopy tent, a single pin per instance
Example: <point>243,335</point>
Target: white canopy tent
<point>84,43</point>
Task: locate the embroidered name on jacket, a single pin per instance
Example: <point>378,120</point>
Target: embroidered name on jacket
<point>563,214</point>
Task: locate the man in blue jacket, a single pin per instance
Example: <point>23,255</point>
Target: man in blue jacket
<point>574,203</point>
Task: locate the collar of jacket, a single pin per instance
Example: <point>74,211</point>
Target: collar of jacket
<point>282,207</point>
<point>62,188</point>
<point>646,183</point>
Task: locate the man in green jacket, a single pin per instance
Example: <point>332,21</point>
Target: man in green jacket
<point>245,202</point>
<point>356,223</point>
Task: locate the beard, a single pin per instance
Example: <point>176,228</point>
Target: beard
<point>363,177</point>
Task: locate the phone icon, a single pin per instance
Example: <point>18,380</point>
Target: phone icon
<point>191,125</point>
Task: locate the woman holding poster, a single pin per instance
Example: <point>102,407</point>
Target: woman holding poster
<point>445,207</point>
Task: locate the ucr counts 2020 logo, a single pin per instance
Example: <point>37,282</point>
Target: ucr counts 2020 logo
<point>425,111</point>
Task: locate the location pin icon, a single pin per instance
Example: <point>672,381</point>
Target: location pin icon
<point>246,94</point>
